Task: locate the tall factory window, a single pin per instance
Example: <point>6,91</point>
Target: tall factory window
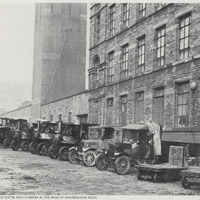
<point>184,46</point>
<point>124,68</point>
<point>158,106</point>
<point>125,15</point>
<point>123,110</point>
<point>142,10</point>
<point>160,54</point>
<point>110,72</point>
<point>112,20</point>
<point>183,104</point>
<point>109,111</point>
<point>98,28</point>
<point>139,106</point>
<point>141,54</point>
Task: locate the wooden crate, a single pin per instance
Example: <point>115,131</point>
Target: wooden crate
<point>178,156</point>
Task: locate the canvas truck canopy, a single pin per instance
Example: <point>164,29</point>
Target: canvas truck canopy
<point>136,127</point>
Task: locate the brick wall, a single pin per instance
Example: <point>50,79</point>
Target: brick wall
<point>173,72</point>
<point>70,108</point>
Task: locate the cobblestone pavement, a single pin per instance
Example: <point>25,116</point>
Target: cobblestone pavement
<point>22,173</point>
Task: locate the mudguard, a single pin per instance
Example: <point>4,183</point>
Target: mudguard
<point>75,148</point>
<point>123,154</point>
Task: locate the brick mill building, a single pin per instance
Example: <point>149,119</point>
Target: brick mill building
<point>144,65</point>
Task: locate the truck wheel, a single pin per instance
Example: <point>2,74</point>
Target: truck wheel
<point>15,145</point>
<point>53,152</point>
<point>64,153</point>
<point>42,149</point>
<point>33,147</point>
<point>185,184</point>
<point>25,145</point>
<point>157,177</point>
<point>122,164</point>
<point>89,158</point>
<point>100,162</point>
<point>6,142</point>
<point>139,176</point>
<point>73,156</point>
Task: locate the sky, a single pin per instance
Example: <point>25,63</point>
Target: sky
<point>16,41</point>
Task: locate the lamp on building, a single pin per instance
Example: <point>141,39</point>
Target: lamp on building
<point>193,86</point>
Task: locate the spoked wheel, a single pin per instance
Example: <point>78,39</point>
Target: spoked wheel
<point>64,153</point>
<point>15,145</point>
<point>89,158</point>
<point>157,177</point>
<point>42,149</point>
<point>73,156</point>
<point>185,184</point>
<point>122,165</point>
<point>100,162</point>
<point>6,142</point>
<point>33,147</point>
<point>25,145</point>
<point>53,152</point>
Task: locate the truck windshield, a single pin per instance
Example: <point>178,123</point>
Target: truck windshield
<point>95,134</point>
<point>48,128</point>
<point>14,124</point>
<point>130,136</point>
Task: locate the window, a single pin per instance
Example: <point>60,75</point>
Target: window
<point>141,54</point>
<point>124,68</point>
<point>130,136</point>
<point>110,102</point>
<point>142,10</point>
<point>160,47</point>
<point>98,27</point>
<point>140,96</point>
<point>51,117</point>
<point>184,46</point>
<point>158,106</point>
<point>112,20</point>
<point>123,103</point>
<point>183,104</point>
<point>110,73</point>
<point>96,65</point>
<point>139,106</point>
<point>95,134</point>
<point>60,117</point>
<point>159,92</point>
<point>125,15</point>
